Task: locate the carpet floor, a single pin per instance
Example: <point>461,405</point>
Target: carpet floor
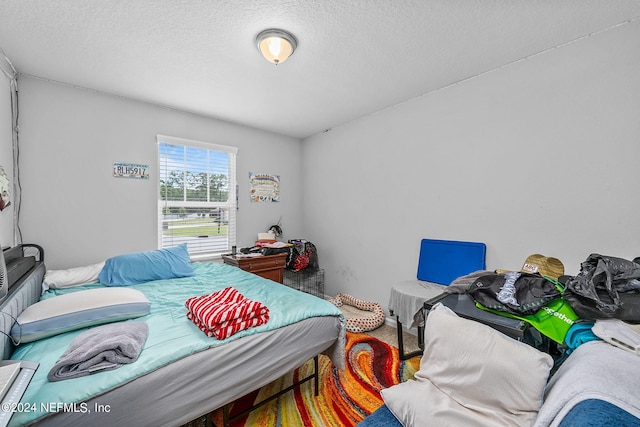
<point>345,396</point>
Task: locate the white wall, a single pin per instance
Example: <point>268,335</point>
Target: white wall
<point>537,157</point>
<point>540,156</point>
<point>80,214</point>
<point>6,158</point>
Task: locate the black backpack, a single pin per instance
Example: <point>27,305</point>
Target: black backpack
<point>514,292</point>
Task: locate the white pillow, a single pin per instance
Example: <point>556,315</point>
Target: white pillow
<point>470,375</point>
<point>77,310</point>
<point>60,279</point>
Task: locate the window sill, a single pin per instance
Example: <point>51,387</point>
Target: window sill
<point>206,258</point>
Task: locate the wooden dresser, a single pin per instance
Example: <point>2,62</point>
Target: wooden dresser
<point>267,266</point>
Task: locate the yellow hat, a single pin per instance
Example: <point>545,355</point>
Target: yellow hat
<point>546,266</point>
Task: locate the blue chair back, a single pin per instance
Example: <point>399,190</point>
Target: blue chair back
<point>443,261</point>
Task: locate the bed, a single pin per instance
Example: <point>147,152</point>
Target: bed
<point>597,385</point>
<point>180,374</point>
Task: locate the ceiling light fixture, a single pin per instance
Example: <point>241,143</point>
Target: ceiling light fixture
<point>276,45</point>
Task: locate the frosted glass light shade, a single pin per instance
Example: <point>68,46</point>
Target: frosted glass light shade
<point>276,45</point>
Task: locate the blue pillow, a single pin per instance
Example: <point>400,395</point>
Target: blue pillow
<point>140,267</point>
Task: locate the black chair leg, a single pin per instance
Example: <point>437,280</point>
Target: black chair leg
<point>416,353</point>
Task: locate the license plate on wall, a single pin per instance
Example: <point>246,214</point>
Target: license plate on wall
<point>130,170</point>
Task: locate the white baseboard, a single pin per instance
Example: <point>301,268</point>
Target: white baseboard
<point>390,321</point>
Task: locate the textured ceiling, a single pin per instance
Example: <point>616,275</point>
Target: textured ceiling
<point>354,57</point>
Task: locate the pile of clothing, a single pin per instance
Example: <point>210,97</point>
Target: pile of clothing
<point>225,313</point>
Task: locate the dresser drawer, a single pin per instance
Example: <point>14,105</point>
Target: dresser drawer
<point>268,266</point>
<point>263,262</point>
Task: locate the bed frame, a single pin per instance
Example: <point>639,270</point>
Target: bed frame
<point>194,386</point>
<point>24,290</point>
<point>315,376</point>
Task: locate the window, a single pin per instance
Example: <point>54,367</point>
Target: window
<point>197,201</point>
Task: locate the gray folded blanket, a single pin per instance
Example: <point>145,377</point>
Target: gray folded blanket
<point>99,349</point>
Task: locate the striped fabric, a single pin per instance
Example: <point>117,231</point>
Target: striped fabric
<point>227,329</point>
<point>226,312</point>
<point>227,295</point>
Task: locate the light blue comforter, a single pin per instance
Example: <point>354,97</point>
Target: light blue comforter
<point>171,335</point>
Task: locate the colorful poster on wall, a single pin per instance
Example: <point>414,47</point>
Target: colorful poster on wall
<point>264,187</point>
<point>5,190</point>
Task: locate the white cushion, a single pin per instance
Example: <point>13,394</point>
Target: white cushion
<point>77,310</point>
<point>471,375</point>
<point>60,279</point>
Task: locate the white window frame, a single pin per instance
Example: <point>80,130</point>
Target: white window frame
<point>198,248</point>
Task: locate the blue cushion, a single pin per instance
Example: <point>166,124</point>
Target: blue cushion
<point>382,417</point>
<point>140,267</point>
<point>597,413</point>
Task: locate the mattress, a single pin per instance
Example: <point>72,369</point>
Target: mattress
<point>202,382</point>
<point>181,373</point>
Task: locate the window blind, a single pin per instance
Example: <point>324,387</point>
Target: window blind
<point>197,196</point>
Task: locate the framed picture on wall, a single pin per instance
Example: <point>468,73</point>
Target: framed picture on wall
<point>264,187</point>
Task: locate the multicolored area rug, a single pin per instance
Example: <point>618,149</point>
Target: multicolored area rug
<point>345,397</point>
